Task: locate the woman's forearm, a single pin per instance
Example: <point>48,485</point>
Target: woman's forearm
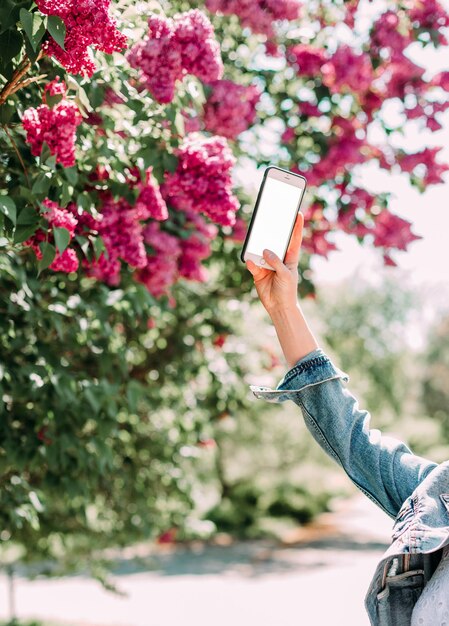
<point>294,334</point>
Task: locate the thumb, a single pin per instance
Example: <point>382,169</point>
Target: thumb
<point>251,266</point>
<point>274,261</point>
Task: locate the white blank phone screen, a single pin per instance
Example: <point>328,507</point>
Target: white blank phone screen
<point>278,207</point>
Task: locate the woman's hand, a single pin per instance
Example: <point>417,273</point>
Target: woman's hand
<point>278,290</point>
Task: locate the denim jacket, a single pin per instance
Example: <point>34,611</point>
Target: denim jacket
<point>410,489</point>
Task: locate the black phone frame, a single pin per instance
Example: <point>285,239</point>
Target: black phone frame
<point>256,206</point>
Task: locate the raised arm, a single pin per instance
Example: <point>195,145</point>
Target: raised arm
<point>383,467</point>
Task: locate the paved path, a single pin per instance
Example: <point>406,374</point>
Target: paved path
<point>319,577</point>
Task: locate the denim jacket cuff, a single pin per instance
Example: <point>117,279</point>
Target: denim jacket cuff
<point>312,369</point>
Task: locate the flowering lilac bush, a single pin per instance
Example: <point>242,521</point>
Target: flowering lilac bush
<point>202,180</point>
<point>86,24</point>
<point>259,15</point>
<point>55,126</point>
<point>121,223</point>
<point>231,108</point>
<point>174,47</point>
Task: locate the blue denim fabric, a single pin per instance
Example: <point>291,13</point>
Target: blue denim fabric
<point>409,488</point>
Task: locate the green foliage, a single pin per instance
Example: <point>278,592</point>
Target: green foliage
<point>107,395</point>
<point>434,391</point>
<point>365,327</point>
<point>244,509</point>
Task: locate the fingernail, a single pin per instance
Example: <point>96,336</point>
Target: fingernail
<point>268,252</point>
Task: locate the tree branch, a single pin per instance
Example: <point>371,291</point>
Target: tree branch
<point>12,86</point>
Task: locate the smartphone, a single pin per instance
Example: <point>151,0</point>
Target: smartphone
<point>274,215</point>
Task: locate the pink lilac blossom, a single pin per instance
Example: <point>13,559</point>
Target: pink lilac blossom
<point>391,231</point>
<point>347,70</point>
<point>196,247</point>
<point>258,15</point>
<point>317,227</point>
<point>158,59</point>
<point>388,36</point>
<point>150,202</point>
<point>433,171</point>
<point>87,23</point>
<point>200,51</point>
<point>161,268</point>
<point>122,234</point>
<point>429,15</point>
<point>231,108</point>
<point>86,222</point>
<point>351,7</point>
<point>238,230</point>
<point>427,111</point>
<point>402,77</point>
<point>54,88</point>
<point>60,218</point>
<point>202,181</point>
<point>441,80</point>
<point>345,149</point>
<point>65,262</point>
<point>57,217</point>
<point>174,47</point>
<point>55,126</point>
<point>307,60</point>
<point>192,124</point>
<point>288,135</point>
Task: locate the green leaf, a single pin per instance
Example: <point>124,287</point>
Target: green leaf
<point>53,100</point>
<point>62,238</point>
<point>99,246</point>
<point>11,43</point>
<point>33,25</point>
<point>57,30</point>
<point>8,208</point>
<point>48,254</point>
<point>7,110</point>
<point>170,161</point>
<point>42,184</point>
<point>9,12</point>
<point>27,216</point>
<point>84,201</point>
<point>82,101</point>
<point>179,123</point>
<point>84,243</point>
<point>71,173</point>
<point>22,233</point>
<point>150,156</point>
<point>66,194</point>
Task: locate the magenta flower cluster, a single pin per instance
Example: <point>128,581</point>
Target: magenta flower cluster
<point>87,23</point>
<point>55,126</point>
<point>231,108</point>
<point>173,48</point>
<point>202,181</point>
<point>57,217</point>
<point>122,230</point>
<point>258,15</point>
<point>172,257</point>
<point>161,268</point>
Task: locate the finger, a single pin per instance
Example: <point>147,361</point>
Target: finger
<point>255,270</point>
<point>251,266</point>
<point>292,255</point>
<point>274,261</point>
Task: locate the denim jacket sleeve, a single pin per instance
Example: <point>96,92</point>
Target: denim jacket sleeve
<point>383,467</point>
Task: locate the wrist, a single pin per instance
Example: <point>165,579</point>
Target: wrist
<point>280,313</point>
<point>293,332</point>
